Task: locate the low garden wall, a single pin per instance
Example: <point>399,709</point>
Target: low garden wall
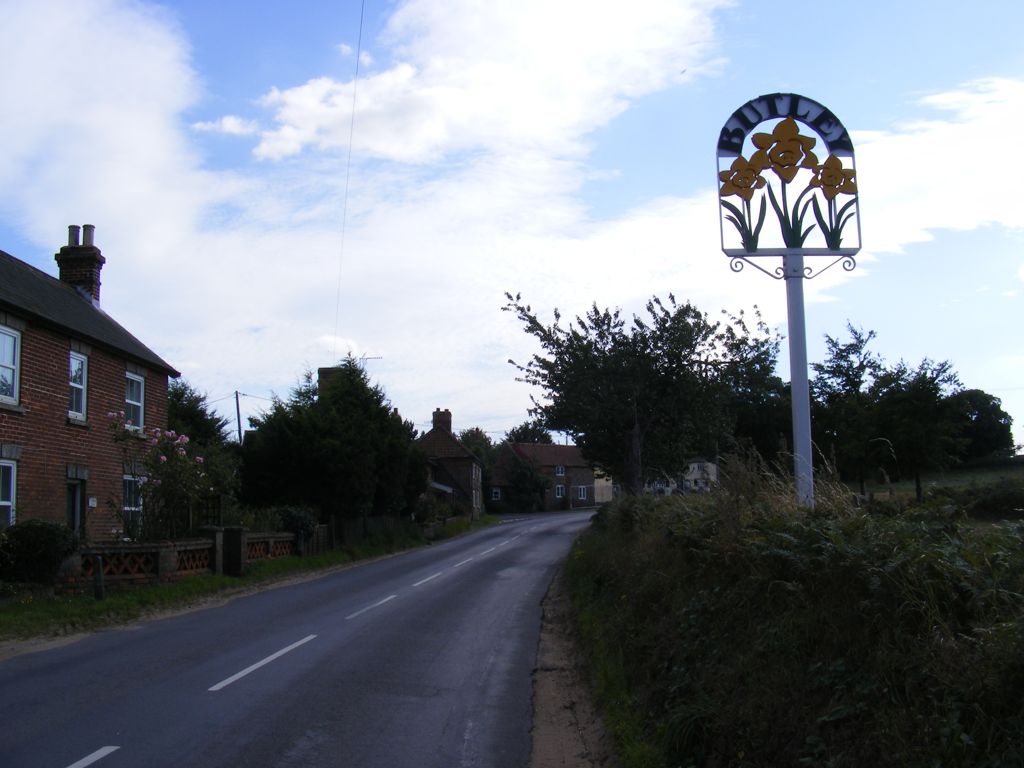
<point>223,550</point>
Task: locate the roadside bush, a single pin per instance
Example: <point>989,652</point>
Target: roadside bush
<point>34,549</point>
<point>298,520</point>
<point>735,630</point>
<point>430,510</point>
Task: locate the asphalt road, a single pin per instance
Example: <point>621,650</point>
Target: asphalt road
<point>423,659</point>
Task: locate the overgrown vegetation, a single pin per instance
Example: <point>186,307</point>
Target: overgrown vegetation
<point>737,629</point>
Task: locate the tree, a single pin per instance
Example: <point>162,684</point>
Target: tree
<point>844,402</point>
<point>188,413</point>
<point>479,443</point>
<point>649,392</point>
<point>526,486</point>
<point>530,431</point>
<point>337,446</point>
<point>985,428</point>
<point>915,417</point>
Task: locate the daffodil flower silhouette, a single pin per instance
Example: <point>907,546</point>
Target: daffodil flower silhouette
<point>832,179</point>
<point>742,179</point>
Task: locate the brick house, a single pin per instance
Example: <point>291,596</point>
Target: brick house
<point>568,476</point>
<point>452,466</point>
<point>64,366</point>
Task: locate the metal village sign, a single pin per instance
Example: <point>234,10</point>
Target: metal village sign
<point>815,206</point>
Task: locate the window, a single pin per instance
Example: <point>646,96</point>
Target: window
<point>7,486</point>
<point>559,471</point>
<point>131,504</point>
<point>495,494</point>
<point>581,493</point>
<point>10,343</point>
<point>134,400</point>
<point>559,491</point>
<point>78,375</point>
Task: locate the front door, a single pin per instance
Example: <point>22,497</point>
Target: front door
<point>76,506</point>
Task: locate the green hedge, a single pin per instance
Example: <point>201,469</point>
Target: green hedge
<point>33,550</point>
<point>777,638</point>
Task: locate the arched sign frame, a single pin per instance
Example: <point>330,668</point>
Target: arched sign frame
<point>832,181</point>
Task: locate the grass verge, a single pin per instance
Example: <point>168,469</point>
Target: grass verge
<point>27,612</point>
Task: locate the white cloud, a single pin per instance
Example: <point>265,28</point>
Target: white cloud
<point>940,173</point>
<point>496,77</point>
<point>229,124</point>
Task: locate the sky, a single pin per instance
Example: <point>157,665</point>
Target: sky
<point>256,226</point>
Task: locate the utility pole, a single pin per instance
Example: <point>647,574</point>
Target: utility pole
<point>238,417</point>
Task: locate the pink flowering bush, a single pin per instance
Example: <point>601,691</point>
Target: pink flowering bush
<point>171,480</point>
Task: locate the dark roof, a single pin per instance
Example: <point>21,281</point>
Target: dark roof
<point>25,290</point>
<point>551,455</point>
<point>439,443</point>
<point>543,456</point>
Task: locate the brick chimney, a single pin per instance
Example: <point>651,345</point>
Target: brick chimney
<point>443,420</point>
<point>80,264</point>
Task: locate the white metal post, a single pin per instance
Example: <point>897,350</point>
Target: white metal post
<point>803,467</point>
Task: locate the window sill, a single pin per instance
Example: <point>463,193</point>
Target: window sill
<point>14,407</point>
<point>77,421</point>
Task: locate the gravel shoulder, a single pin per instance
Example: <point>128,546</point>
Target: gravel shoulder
<point>568,731</point>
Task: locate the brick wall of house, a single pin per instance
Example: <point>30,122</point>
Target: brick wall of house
<point>51,449</point>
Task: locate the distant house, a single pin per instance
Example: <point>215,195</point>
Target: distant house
<point>568,479</point>
<point>701,475</point>
<point>65,365</point>
<point>455,473</point>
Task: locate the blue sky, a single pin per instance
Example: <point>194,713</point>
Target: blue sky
<point>562,150</point>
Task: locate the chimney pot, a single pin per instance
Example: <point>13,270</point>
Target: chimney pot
<point>80,264</point>
<point>443,419</point>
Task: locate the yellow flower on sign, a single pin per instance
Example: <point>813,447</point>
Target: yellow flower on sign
<point>834,179</point>
<point>741,179</point>
<point>784,150</point>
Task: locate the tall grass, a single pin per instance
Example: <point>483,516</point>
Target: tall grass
<point>738,629</point>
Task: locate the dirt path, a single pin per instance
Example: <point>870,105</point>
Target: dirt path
<point>567,730</point>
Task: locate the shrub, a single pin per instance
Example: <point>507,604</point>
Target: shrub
<point>736,630</point>
<point>298,520</point>
<point>34,549</point>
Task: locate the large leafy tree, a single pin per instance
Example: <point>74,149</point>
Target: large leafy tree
<point>642,395</point>
<point>845,402</point>
<point>916,419</point>
<point>336,446</point>
<point>530,431</point>
<point>985,428</point>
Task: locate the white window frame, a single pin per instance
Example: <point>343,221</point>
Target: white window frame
<point>14,366</point>
<point>581,493</point>
<point>141,402</point>
<point>72,387</point>
<point>8,506</point>
<point>559,491</point>
<point>560,471</point>
<point>495,494</point>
